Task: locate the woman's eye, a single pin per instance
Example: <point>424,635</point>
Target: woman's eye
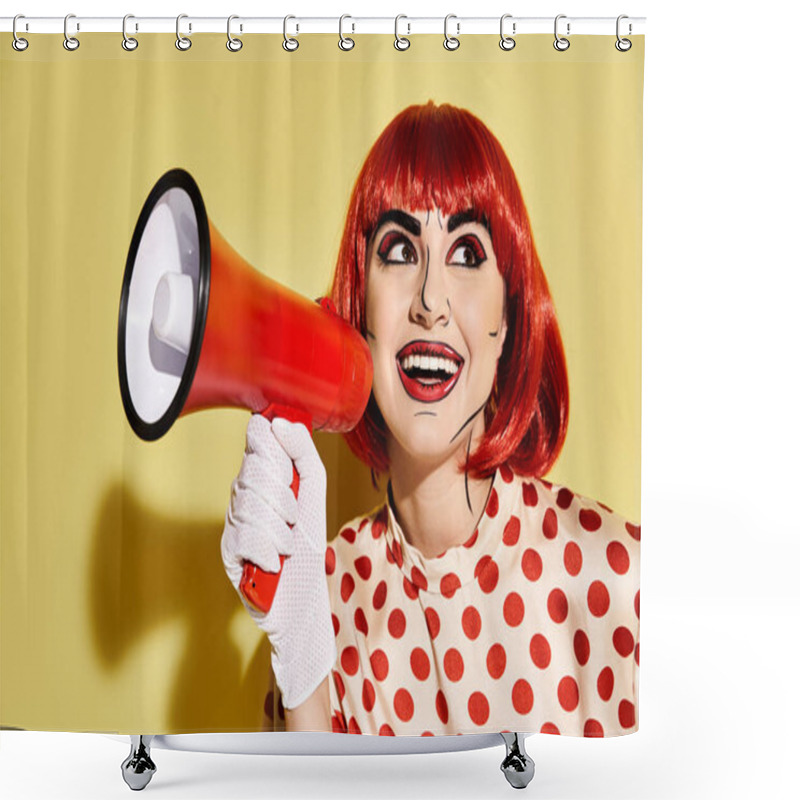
<point>466,252</point>
<point>396,249</point>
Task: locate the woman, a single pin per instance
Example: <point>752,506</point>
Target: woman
<point>478,597</point>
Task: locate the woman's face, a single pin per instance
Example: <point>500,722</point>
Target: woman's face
<point>435,312</point>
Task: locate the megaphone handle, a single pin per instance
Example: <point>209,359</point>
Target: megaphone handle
<point>257,586</point>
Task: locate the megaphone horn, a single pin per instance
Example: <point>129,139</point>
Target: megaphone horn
<point>201,328</point>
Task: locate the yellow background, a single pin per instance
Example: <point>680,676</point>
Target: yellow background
<point>115,612</point>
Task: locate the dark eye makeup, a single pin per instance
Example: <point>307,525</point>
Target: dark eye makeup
<point>466,251</point>
<point>395,248</point>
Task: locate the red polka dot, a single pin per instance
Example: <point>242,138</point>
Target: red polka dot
<point>513,609</point>
<point>418,579</point>
<point>522,696</point>
<point>403,705</point>
<point>330,561</point>
<point>636,604</point>
<point>352,726</point>
<point>492,504</point>
<point>363,567</point>
<point>550,524</point>
<point>636,654</point>
<point>472,539</point>
<point>449,584</point>
<point>568,693</point>
<point>337,722</point>
<point>598,598</point>
<point>549,727</point>
<point>453,665</point>
<point>540,651</point>
<point>410,589</point>
<point>379,664</point>
<point>618,558</point>
<point>441,707</point>
<point>397,553</point>
<point>564,498</point>
<point>432,619</point>
<point>623,641</point>
<point>420,664</point>
<point>478,707</point>
<point>368,695</point>
<point>487,574</point>
<point>557,605</point>
<point>627,714</point>
<point>634,530</point>
<point>573,558</point>
<point>360,620</point>
<point>426,733</point>
<point>335,621</point>
<point>605,507</point>
<point>385,730</point>
<point>363,524</point>
<point>339,683</point>
<point>506,474</point>
<point>350,660</point>
<point>580,643</point>
<point>389,556</point>
<point>348,584</point>
<point>379,598</point>
<point>589,519</point>
<point>529,494</point>
<point>496,661</point>
<point>348,534</point>
<point>397,623</point>
<point>378,528</point>
<point>592,729</point>
<point>605,684</point>
<point>532,564</point>
<point>471,622</point>
<point>511,532</point>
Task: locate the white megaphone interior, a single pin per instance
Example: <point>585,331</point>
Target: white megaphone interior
<point>162,303</point>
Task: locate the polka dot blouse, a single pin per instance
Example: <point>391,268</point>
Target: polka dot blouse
<point>531,625</point>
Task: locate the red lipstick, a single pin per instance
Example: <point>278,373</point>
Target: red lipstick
<point>428,370</point>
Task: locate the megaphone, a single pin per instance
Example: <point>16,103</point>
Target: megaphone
<point>200,328</point>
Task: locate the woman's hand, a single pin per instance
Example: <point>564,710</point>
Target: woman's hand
<point>265,521</point>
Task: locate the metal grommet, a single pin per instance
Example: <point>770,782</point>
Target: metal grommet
<point>623,45</point>
<point>506,42</point>
<point>70,42</point>
<point>345,42</point>
<point>451,42</point>
<point>233,44</point>
<point>18,43</point>
<point>289,44</point>
<point>128,42</point>
<point>181,41</point>
<point>561,44</point>
<point>400,42</point>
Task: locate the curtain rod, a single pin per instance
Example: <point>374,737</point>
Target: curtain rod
<point>406,25</point>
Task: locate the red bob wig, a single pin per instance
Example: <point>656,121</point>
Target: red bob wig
<point>444,157</point>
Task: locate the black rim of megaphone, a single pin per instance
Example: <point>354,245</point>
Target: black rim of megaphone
<point>174,179</point>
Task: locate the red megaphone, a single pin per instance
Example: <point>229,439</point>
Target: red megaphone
<point>201,328</point>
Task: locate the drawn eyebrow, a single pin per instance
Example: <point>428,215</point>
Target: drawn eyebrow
<point>463,217</point>
<point>402,219</point>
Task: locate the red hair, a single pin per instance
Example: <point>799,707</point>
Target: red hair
<point>441,156</point>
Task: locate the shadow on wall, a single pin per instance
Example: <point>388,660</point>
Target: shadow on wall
<point>149,569</point>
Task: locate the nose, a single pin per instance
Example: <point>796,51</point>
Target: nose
<point>431,304</point>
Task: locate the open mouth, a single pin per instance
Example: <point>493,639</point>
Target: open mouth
<point>428,370</point>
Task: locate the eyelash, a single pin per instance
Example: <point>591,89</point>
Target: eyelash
<point>389,242</point>
<point>394,238</point>
<point>474,245</point>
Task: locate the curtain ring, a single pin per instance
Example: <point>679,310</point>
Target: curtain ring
<point>623,45</point>
<point>128,42</point>
<point>70,42</point>
<point>561,44</point>
<point>400,42</point>
<point>507,42</point>
<point>289,43</point>
<point>19,44</point>
<point>345,42</point>
<point>233,44</point>
<point>182,42</point>
<point>451,42</point>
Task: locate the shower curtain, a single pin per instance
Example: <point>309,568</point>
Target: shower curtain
<point>422,193</point>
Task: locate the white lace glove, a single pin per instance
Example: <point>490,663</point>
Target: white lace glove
<point>257,529</point>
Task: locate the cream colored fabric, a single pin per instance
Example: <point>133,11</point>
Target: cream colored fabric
<point>531,625</point>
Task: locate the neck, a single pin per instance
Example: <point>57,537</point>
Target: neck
<point>436,504</point>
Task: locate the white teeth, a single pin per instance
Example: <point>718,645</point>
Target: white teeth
<point>429,364</point>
